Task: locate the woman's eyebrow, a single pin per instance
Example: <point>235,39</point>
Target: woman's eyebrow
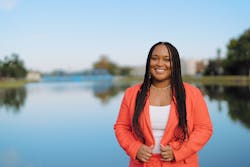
<point>156,55</point>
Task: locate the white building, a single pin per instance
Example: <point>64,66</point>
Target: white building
<point>138,71</point>
<point>188,66</point>
<point>33,76</point>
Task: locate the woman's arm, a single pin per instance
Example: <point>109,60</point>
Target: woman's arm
<point>123,130</point>
<point>201,132</point>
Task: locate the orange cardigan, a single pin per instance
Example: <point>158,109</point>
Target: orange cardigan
<point>198,120</point>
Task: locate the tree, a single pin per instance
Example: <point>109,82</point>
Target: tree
<point>214,66</point>
<point>12,67</point>
<point>112,68</point>
<point>105,63</point>
<point>125,71</point>
<point>238,55</point>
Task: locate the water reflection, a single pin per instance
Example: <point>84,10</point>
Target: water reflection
<point>70,118</point>
<point>12,98</point>
<point>237,97</point>
<point>106,91</point>
<point>238,100</point>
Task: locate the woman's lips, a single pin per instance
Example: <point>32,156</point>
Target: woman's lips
<point>160,71</point>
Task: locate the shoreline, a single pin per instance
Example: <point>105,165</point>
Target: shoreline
<point>13,83</point>
<point>118,80</point>
<point>205,80</point>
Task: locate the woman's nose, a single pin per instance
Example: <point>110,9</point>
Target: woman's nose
<point>160,62</point>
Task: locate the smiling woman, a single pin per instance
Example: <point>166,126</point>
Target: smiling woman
<point>163,121</point>
<point>160,66</point>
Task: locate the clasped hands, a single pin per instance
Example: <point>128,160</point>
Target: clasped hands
<point>145,152</point>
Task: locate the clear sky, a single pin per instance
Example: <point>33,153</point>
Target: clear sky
<point>72,34</point>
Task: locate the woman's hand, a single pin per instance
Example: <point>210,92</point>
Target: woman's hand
<point>144,153</point>
<point>167,153</point>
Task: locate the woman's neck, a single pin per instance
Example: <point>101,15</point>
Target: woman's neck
<point>161,84</point>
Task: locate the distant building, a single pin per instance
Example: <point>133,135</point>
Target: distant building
<point>193,66</point>
<point>91,75</point>
<point>188,66</point>
<point>33,76</point>
<point>201,66</point>
<point>138,71</point>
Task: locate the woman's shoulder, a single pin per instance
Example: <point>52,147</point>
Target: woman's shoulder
<point>131,92</point>
<point>189,86</point>
<point>191,89</point>
<point>133,88</point>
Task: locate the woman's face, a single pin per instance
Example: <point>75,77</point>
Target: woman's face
<point>160,68</point>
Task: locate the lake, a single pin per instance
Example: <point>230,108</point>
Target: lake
<point>70,124</point>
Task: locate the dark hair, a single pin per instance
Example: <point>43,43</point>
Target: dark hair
<point>177,90</point>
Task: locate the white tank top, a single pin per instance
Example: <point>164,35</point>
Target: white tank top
<point>158,118</point>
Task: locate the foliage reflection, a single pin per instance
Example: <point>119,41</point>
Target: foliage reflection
<point>12,98</point>
<point>237,98</point>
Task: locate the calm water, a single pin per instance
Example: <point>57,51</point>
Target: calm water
<point>71,125</point>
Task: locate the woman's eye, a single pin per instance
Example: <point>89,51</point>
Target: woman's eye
<point>154,58</point>
<point>167,59</point>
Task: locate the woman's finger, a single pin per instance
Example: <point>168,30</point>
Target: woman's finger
<point>148,154</point>
<point>162,147</point>
<point>144,159</point>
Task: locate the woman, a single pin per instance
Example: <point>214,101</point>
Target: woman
<point>163,121</point>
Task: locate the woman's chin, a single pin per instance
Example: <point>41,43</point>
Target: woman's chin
<point>161,79</point>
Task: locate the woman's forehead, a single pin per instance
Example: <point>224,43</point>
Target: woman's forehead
<point>161,50</point>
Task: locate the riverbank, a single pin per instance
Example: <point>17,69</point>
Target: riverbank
<point>12,83</point>
<point>219,80</point>
<point>205,80</point>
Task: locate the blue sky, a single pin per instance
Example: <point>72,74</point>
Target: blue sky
<point>72,34</point>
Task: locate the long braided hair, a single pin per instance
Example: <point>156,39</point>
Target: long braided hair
<point>177,91</point>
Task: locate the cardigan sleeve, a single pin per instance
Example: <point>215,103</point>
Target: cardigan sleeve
<point>201,132</point>
<point>123,129</point>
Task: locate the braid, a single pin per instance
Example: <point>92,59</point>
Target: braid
<point>177,90</point>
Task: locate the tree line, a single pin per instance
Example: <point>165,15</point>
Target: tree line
<point>111,67</point>
<point>237,60</point>
<point>12,67</point>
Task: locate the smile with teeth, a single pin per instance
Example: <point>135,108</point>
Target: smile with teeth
<point>160,70</point>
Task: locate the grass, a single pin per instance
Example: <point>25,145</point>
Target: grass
<point>219,80</point>
<point>12,83</point>
<point>205,80</point>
